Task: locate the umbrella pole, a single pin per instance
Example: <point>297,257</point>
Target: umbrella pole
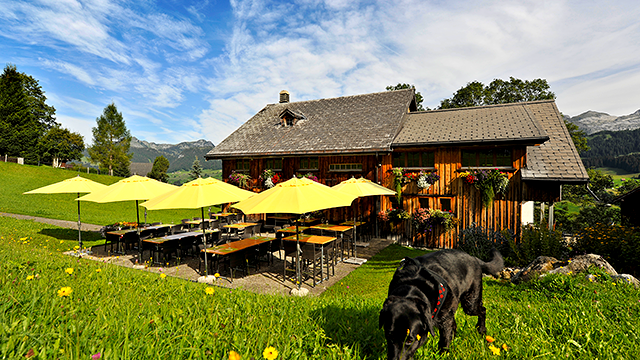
<point>298,277</point>
<point>79,226</point>
<point>138,231</point>
<point>204,241</point>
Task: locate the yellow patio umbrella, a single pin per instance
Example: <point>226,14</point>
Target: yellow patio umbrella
<point>198,193</point>
<point>295,196</point>
<point>133,188</point>
<point>360,187</point>
<point>72,185</point>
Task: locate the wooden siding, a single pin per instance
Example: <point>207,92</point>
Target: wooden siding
<point>466,204</point>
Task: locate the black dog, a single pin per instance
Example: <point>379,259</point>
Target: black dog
<point>425,293</point>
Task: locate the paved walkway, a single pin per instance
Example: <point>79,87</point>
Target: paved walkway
<point>267,281</point>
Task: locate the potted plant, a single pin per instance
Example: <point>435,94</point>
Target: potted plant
<point>269,178</point>
<point>238,179</point>
<point>488,182</point>
<point>424,220</point>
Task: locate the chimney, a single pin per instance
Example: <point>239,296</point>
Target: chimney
<point>284,96</point>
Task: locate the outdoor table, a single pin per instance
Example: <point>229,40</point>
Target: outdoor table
<point>351,223</point>
<point>160,241</point>
<point>335,229</point>
<point>308,221</point>
<point>121,234</point>
<point>238,226</point>
<point>235,251</point>
<point>292,229</point>
<point>197,222</point>
<point>283,218</point>
<point>319,242</point>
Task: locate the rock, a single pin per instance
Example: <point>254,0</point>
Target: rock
<point>629,279</point>
<point>299,292</point>
<point>507,273</point>
<point>207,279</point>
<point>539,266</point>
<point>547,265</point>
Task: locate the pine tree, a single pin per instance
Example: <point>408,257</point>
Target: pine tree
<point>24,115</point>
<point>111,142</point>
<point>196,169</point>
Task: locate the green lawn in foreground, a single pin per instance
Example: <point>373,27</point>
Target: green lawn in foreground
<point>16,179</point>
<point>123,313</point>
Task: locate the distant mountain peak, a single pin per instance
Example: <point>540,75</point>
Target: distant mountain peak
<point>593,121</point>
<point>180,156</point>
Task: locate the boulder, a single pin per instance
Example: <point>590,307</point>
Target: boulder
<point>629,279</point>
<point>544,264</point>
<point>539,266</point>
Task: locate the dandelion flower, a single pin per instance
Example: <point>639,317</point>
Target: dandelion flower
<point>494,350</point>
<point>408,332</point>
<point>69,271</point>
<point>217,275</point>
<point>270,353</point>
<point>76,247</point>
<point>234,355</point>
<point>505,347</point>
<point>65,291</point>
<point>98,270</point>
<point>23,239</point>
<point>61,241</point>
<point>30,277</point>
<point>209,290</point>
<point>418,337</point>
<point>490,339</point>
<point>163,275</point>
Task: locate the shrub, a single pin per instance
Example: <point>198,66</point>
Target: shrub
<point>538,241</point>
<point>478,241</point>
<point>619,245</point>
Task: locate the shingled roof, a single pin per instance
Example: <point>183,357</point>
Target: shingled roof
<point>528,123</point>
<point>556,159</point>
<point>349,124</point>
<point>473,125</point>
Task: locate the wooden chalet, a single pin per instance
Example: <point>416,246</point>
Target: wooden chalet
<point>368,135</point>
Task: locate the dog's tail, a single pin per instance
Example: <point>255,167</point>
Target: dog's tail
<point>494,266</point>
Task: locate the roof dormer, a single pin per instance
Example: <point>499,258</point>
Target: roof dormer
<point>289,117</point>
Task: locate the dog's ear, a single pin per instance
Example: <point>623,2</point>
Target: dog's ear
<point>425,316</point>
<point>408,261</point>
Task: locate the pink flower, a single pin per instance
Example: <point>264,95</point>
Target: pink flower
<point>96,356</point>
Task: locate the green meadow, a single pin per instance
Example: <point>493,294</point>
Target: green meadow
<point>55,306</point>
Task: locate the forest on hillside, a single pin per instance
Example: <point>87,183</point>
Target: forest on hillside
<point>618,149</point>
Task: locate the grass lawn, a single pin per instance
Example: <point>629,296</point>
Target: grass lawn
<point>54,306</point>
<point>618,174</point>
<point>16,179</point>
<point>133,314</point>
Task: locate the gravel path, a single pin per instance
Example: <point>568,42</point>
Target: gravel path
<point>267,281</point>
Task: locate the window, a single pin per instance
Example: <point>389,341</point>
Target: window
<point>273,164</point>
<point>445,204</point>
<point>424,202</point>
<point>424,159</point>
<point>486,158</point>
<point>345,167</point>
<point>242,165</point>
<point>309,163</point>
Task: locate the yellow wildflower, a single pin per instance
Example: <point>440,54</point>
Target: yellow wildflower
<point>30,277</point>
<point>76,247</point>
<point>270,353</point>
<point>23,239</point>
<point>505,347</point>
<point>69,271</point>
<point>216,275</point>
<point>209,290</point>
<point>494,350</point>
<point>418,337</point>
<point>98,270</point>
<point>163,275</point>
<point>234,355</point>
<point>65,291</point>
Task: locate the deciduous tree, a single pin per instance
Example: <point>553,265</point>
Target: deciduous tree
<point>419,97</point>
<point>60,144</point>
<point>111,142</point>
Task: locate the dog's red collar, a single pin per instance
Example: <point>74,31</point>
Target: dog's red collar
<point>442,293</point>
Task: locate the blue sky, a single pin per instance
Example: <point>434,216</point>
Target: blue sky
<point>182,71</point>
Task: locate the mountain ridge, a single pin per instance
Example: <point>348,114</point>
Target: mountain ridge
<point>593,121</point>
<point>180,156</point>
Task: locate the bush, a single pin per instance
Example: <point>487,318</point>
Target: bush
<point>534,241</point>
<point>478,241</point>
<point>619,245</point>
<point>538,241</point>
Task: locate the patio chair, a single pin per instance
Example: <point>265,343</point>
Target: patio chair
<point>312,259</point>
